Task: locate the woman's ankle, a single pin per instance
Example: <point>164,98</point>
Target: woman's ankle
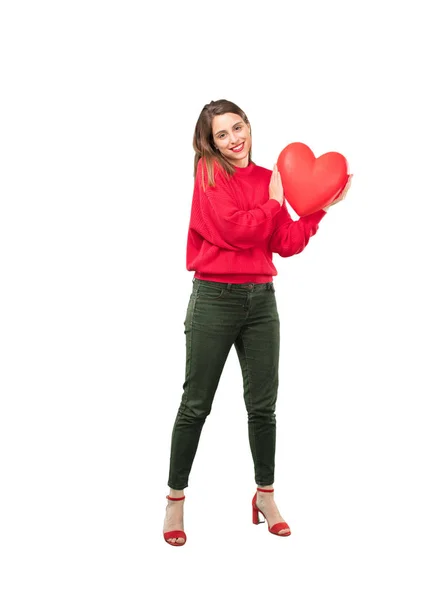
<point>176,493</point>
<point>265,489</point>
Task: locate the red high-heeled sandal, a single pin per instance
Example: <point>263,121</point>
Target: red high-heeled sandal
<point>275,529</point>
<point>176,533</point>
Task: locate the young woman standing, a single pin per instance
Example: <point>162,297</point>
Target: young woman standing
<point>238,219</point>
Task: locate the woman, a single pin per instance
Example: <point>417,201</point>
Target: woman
<point>238,219</point>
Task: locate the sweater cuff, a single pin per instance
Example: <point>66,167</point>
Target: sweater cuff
<point>315,217</point>
<point>271,207</point>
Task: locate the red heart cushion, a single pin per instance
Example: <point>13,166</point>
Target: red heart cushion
<point>311,183</point>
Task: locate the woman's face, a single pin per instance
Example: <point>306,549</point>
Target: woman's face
<point>232,137</point>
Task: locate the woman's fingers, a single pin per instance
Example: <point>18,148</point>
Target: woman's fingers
<point>344,191</point>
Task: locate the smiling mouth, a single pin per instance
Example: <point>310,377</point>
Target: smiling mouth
<point>238,148</point>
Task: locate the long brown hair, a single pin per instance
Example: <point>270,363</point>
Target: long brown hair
<point>203,143</point>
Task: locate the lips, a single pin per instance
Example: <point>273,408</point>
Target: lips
<point>238,148</point>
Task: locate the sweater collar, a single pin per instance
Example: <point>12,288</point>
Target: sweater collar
<point>241,171</point>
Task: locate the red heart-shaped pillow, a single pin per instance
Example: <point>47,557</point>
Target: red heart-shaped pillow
<point>311,183</point>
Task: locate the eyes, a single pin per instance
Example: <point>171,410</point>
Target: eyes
<point>221,136</point>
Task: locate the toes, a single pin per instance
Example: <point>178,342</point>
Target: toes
<point>176,541</point>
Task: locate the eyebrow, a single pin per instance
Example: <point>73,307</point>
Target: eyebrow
<point>224,130</point>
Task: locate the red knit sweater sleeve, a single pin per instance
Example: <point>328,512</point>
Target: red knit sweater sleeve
<point>223,223</point>
<point>290,237</point>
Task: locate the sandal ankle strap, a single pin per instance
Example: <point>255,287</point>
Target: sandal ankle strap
<point>175,499</point>
<point>262,490</point>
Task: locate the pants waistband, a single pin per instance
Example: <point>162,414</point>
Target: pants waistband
<point>241,286</point>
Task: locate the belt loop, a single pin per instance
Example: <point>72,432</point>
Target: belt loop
<point>229,287</point>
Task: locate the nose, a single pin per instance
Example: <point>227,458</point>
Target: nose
<point>233,139</point>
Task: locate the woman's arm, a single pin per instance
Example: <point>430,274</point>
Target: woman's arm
<point>290,237</point>
<point>223,224</point>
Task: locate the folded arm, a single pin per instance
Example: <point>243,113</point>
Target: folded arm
<point>224,224</point>
<point>290,237</point>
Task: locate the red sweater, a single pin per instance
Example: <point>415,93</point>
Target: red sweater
<point>235,227</point>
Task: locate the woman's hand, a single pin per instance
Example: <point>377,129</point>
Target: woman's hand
<point>342,195</point>
<point>276,191</point>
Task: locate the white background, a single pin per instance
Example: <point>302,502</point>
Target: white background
<point>98,105</point>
